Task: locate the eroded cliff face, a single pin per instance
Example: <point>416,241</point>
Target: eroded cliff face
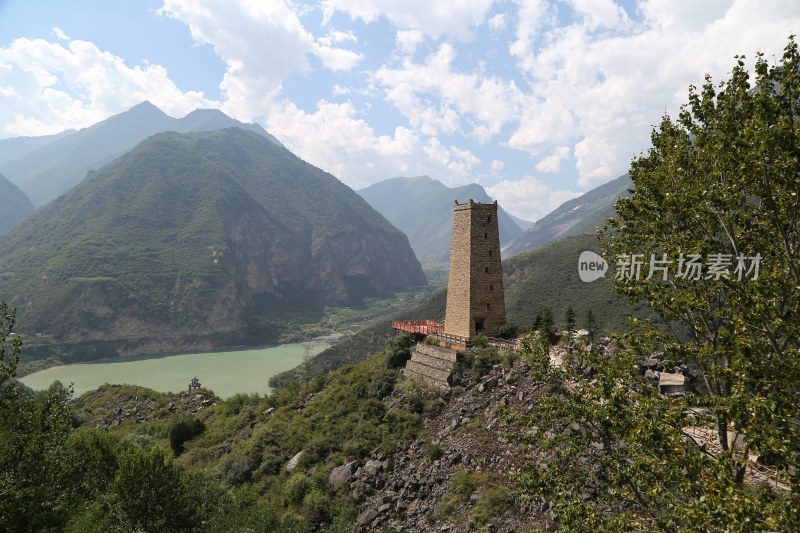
<point>230,279</point>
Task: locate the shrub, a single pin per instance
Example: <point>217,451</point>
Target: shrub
<point>507,331</point>
<point>237,469</point>
<point>235,404</point>
<point>493,501</point>
<point>485,359</point>
<point>373,409</point>
<point>317,506</point>
<point>296,488</point>
<point>465,483</point>
<point>398,351</point>
<point>480,341</point>
<point>416,403</point>
<point>356,448</point>
<point>271,461</point>
<point>182,428</point>
<point>434,452</point>
<point>382,385</point>
<point>315,451</point>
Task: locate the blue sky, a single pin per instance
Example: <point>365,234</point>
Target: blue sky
<point>536,100</point>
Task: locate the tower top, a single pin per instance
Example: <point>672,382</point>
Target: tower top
<point>472,202</point>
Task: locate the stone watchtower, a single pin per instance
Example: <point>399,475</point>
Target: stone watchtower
<point>475,302</point>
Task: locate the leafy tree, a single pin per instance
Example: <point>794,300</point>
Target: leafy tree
<point>720,182</point>
<point>485,359</point>
<point>398,350</point>
<point>569,319</point>
<point>506,330</point>
<point>34,489</point>
<point>10,344</point>
<point>545,322</point>
<point>149,493</point>
<point>183,427</point>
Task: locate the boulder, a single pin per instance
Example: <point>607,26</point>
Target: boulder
<point>373,468</point>
<point>292,464</point>
<point>342,475</point>
<point>366,518</point>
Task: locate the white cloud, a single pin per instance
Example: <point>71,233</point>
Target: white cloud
<point>528,197</point>
<point>552,163</point>
<point>59,33</point>
<point>497,22</point>
<point>50,87</point>
<point>262,43</point>
<point>455,18</point>
<point>600,13</point>
<point>531,16</point>
<point>408,40</point>
<point>348,148</point>
<point>602,91</point>
<point>435,98</point>
<point>338,90</point>
<point>497,165</point>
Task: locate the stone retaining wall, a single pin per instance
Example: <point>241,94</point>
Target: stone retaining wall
<point>431,365</point>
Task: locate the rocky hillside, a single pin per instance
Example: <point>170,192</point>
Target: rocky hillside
<point>14,205</point>
<point>423,209</point>
<point>45,167</point>
<point>194,241</point>
<point>579,216</point>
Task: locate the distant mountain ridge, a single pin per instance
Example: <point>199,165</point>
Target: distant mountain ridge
<point>14,205</point>
<point>422,208</point>
<point>49,166</point>
<point>195,241</point>
<point>579,216</point>
<point>19,147</point>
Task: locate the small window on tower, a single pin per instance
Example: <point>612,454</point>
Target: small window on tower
<point>485,235</point>
<point>490,253</point>
<point>489,218</point>
<point>491,288</point>
<point>487,306</point>
<point>486,269</point>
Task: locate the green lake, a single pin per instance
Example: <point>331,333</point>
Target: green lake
<point>226,373</point>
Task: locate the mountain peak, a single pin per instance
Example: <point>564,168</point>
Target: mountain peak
<point>145,108</point>
<point>422,208</point>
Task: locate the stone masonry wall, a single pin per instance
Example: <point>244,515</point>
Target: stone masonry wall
<point>431,364</point>
<point>475,298</point>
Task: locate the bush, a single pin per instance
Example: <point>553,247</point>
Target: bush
<point>237,469</point>
<point>398,351</point>
<point>493,501</point>
<point>271,461</point>
<point>182,428</point>
<point>485,359</point>
<point>480,341</point>
<point>373,409</point>
<point>434,453</point>
<point>316,451</point>
<point>317,506</point>
<point>507,331</point>
<point>236,403</point>
<point>296,488</point>
<point>382,385</point>
<point>416,403</point>
<point>464,483</point>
